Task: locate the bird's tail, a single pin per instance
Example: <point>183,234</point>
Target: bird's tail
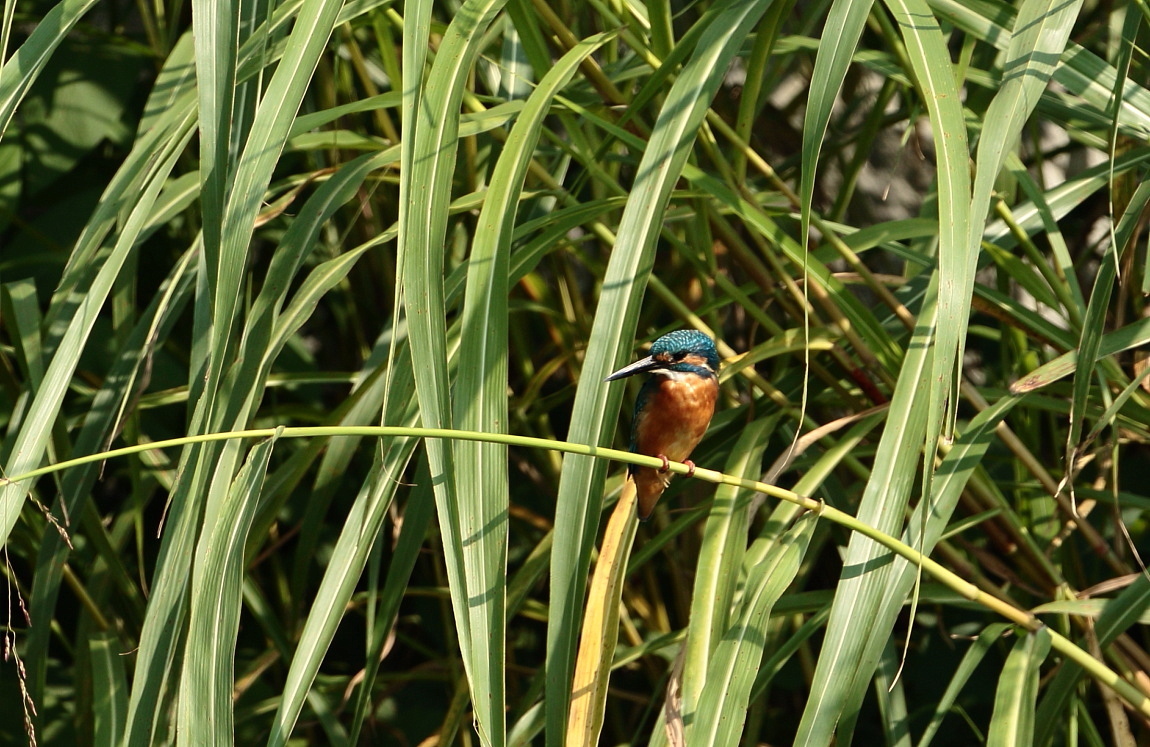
<point>649,486</point>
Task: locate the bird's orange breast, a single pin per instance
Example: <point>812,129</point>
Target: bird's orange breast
<point>672,422</point>
<point>675,416</point>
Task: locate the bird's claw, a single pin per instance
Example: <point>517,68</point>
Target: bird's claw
<point>667,465</point>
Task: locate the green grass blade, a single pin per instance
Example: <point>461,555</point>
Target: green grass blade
<point>732,671</point>
<point>32,440</point>
<point>360,531</point>
<point>106,410</point>
<point>928,54</point>
<point>951,478</point>
<point>472,550</point>
<point>21,317</point>
<point>970,661</point>
<point>416,521</point>
<point>847,661</point>
<point>481,389</point>
<point>164,627</point>
<point>1083,73</point>
<point>891,695</point>
<point>1094,322</point>
<point>253,170</point>
<point>841,676</point>
<point>720,562</point>
<point>1041,32</point>
<point>169,133</point>
<point>110,689</point>
<point>849,656</point>
<point>19,72</point>
<point>1131,336</point>
<point>1063,198</point>
<point>215,27</point>
<point>1061,252</point>
<point>204,704</point>
<point>1013,722</point>
<point>844,26</point>
<point>1120,613</point>
<point>350,554</point>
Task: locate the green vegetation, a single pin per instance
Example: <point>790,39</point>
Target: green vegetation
<point>269,272</point>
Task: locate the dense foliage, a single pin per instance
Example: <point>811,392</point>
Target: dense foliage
<point>914,228</point>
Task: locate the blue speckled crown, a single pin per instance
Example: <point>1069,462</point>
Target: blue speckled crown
<point>689,341</point>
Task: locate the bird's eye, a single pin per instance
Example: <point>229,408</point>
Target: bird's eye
<point>680,355</point>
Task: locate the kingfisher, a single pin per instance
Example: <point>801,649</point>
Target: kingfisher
<point>674,407</point>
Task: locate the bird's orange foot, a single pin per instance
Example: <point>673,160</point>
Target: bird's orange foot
<point>666,463</point>
<point>690,467</point>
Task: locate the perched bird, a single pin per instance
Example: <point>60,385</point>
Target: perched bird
<point>674,407</point>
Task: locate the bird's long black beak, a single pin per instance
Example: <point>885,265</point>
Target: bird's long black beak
<point>640,366</point>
